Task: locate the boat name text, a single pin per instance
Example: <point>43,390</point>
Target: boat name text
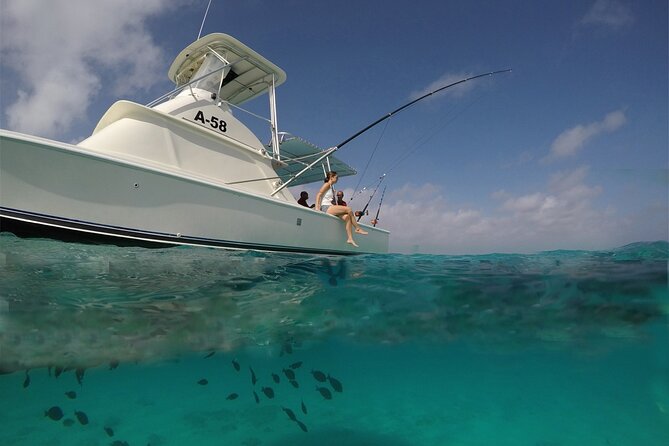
<point>214,122</point>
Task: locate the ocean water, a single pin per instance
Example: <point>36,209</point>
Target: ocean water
<point>102,345</point>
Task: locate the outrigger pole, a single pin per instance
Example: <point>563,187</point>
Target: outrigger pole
<point>380,120</point>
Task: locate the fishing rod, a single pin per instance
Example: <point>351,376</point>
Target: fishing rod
<point>376,219</point>
<point>372,196</point>
<point>409,104</point>
<point>333,149</point>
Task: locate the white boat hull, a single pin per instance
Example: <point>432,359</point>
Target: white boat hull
<point>56,188</point>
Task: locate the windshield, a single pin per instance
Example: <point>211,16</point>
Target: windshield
<point>210,83</point>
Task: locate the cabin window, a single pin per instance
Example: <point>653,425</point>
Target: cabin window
<point>210,83</point>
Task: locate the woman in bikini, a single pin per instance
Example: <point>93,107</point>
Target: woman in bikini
<point>324,199</point>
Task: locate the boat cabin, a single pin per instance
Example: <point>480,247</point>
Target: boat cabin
<point>195,130</point>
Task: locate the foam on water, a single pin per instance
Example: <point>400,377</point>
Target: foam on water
<point>557,348</point>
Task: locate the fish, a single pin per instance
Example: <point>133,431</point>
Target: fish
<point>268,391</point>
<point>79,373</point>
<point>57,371</point>
<point>255,395</point>
<point>294,383</point>
<point>276,378</point>
<point>203,382</point>
<point>113,364</point>
<point>67,422</point>
<point>82,417</point>
<point>26,382</point>
<point>235,364</point>
<point>109,431</point>
<point>210,355</point>
<point>119,443</point>
<point>336,385</point>
<point>302,426</point>
<point>71,394</point>
<point>325,392</point>
<point>296,365</point>
<point>304,408</point>
<point>290,413</point>
<point>55,413</point>
<point>254,380</point>
<point>319,376</point>
<point>232,396</point>
<point>289,373</point>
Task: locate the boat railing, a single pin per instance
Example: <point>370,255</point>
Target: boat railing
<point>179,89</point>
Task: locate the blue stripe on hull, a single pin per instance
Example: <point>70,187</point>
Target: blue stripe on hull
<point>28,224</point>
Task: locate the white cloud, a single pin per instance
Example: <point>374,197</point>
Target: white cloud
<point>608,13</point>
<point>60,49</point>
<point>563,216</point>
<point>572,140</point>
<point>447,79</point>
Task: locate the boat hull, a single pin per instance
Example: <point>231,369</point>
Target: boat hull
<point>67,192</point>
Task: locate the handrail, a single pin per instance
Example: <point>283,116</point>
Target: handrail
<point>230,104</point>
<point>192,81</point>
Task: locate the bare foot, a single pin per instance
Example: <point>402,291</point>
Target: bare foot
<point>351,242</point>
<point>360,231</point>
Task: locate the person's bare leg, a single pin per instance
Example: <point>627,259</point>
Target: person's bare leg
<point>346,215</point>
<point>349,233</point>
<point>358,229</point>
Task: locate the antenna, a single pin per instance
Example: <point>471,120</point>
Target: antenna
<point>203,19</point>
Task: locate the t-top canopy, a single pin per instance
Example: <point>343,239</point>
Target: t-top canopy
<point>297,154</point>
<point>252,73</point>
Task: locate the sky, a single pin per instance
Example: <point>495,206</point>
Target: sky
<point>568,151</point>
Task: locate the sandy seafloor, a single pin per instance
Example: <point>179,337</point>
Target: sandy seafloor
<point>555,349</point>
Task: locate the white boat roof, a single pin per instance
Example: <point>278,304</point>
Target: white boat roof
<point>298,153</point>
<point>252,72</point>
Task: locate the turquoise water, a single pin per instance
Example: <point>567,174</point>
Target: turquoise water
<point>554,349</point>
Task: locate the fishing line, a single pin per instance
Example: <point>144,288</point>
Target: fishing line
<point>370,159</point>
<point>428,136</point>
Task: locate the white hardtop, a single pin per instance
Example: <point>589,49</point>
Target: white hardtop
<point>250,75</point>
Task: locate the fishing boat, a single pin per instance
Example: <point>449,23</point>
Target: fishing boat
<point>182,170</point>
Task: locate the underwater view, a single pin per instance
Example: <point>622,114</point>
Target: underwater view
<point>106,345</point>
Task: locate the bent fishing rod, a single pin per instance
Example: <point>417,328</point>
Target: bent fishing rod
<point>333,149</point>
<point>409,104</point>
